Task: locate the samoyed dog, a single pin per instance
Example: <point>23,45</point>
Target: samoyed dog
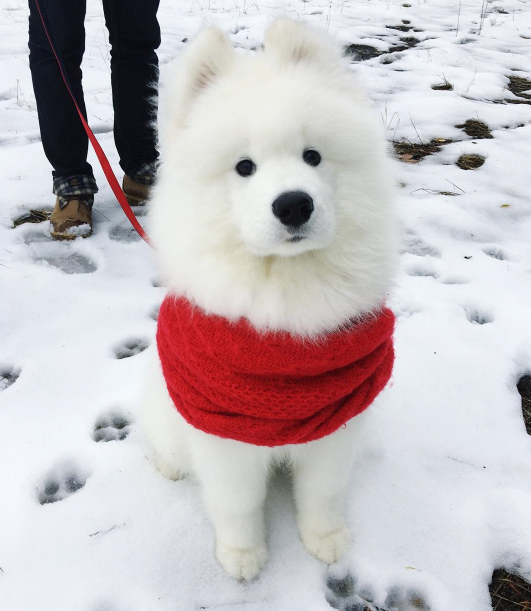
<point>273,222</point>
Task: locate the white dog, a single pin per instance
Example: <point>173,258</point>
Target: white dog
<point>274,206</point>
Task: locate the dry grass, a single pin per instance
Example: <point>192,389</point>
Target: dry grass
<point>410,41</point>
<point>519,85</point>
<point>509,592</point>
<point>361,53</point>
<point>524,388</point>
<point>470,162</point>
<point>400,28</point>
<point>476,129</point>
<point>33,216</point>
<point>444,86</point>
<point>413,153</point>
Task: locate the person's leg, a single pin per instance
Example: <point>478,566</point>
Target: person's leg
<point>134,35</point>
<point>63,137</point>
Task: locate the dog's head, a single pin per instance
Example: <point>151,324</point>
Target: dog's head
<point>273,196</point>
<point>277,137</point>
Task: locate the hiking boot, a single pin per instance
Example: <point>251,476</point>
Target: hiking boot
<point>135,192</point>
<point>71,218</point>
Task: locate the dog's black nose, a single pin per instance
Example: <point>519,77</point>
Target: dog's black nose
<point>293,208</point>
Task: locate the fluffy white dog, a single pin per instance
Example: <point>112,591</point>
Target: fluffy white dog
<point>273,205</point>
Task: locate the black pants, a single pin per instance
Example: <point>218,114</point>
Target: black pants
<point>134,35</point>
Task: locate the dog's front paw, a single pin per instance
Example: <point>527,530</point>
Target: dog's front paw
<point>167,468</point>
<point>328,546</point>
<point>242,564</point>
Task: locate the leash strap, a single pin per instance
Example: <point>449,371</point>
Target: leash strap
<point>104,162</point>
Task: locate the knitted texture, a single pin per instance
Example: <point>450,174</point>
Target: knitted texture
<point>270,389</point>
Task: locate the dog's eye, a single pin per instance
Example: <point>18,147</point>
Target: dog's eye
<point>245,167</point>
<point>311,157</point>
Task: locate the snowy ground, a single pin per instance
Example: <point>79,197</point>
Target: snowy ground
<point>441,493</point>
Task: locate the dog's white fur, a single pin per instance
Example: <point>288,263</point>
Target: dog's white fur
<point>220,245</point>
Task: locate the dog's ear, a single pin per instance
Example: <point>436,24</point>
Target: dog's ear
<point>294,42</point>
<point>208,56</point>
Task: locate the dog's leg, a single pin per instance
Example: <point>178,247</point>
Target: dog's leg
<point>164,427</point>
<point>234,481</point>
<point>321,477</point>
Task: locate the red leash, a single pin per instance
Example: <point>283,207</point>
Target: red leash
<point>104,162</point>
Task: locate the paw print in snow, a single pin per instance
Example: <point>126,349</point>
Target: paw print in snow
<point>8,376</point>
<point>477,317</point>
<point>113,427</point>
<point>495,253</point>
<point>58,486</point>
<point>130,348</point>
<point>344,593</point>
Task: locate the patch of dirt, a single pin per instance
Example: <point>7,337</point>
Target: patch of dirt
<point>400,28</point>
<point>36,215</point>
<point>413,153</point>
<point>515,101</point>
<point>476,129</point>
<point>408,43</point>
<point>518,85</point>
<point>398,49</point>
<point>509,592</point>
<point>524,388</point>
<point>470,162</point>
<point>361,53</point>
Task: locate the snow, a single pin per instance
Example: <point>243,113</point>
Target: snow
<point>79,230</point>
<point>441,488</point>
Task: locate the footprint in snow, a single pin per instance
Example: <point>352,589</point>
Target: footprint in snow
<point>155,313</point>
<point>416,246</point>
<point>111,427</point>
<point>36,237</point>
<point>477,317</point>
<point>61,484</point>
<point>495,253</point>
<point>8,376</point>
<point>345,594</point>
<point>454,279</point>
<point>239,28</point>
<point>124,232</point>
<point>74,263</point>
<point>424,271</point>
<point>130,347</point>
<point>339,590</point>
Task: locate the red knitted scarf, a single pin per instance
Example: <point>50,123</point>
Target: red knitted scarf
<point>270,389</point>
